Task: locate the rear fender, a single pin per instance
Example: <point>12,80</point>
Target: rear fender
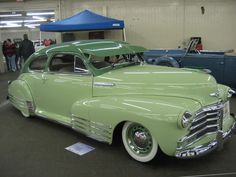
<point>20,96</point>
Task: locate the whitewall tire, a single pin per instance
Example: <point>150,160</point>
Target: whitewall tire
<point>139,142</point>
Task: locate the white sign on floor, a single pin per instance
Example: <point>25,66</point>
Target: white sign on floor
<point>80,148</point>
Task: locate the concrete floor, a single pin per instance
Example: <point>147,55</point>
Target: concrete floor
<point>36,148</point>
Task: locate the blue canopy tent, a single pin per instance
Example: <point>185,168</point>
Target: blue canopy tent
<point>84,21</point>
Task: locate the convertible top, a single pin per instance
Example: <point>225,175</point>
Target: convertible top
<point>95,47</point>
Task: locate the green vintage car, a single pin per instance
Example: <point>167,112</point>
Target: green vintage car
<point>98,86</point>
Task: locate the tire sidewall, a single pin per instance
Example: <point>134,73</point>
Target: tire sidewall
<point>171,61</point>
<point>146,158</point>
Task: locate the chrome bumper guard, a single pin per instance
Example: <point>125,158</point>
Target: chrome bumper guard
<point>206,148</point>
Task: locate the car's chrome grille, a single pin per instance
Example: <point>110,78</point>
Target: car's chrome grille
<point>206,121</point>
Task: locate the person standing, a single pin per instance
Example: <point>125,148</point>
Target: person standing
<point>4,53</point>
<point>10,52</point>
<point>26,48</point>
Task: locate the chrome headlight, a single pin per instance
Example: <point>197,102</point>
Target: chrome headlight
<point>185,120</point>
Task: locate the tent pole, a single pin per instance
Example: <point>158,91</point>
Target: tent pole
<point>40,38</point>
<point>124,34</point>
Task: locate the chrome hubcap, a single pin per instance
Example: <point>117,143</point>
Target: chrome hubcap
<point>139,139</point>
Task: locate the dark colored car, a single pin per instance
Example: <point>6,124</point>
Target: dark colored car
<point>220,64</point>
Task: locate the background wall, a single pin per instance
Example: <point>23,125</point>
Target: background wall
<point>33,34</point>
<point>155,23</point>
<point>28,6</point>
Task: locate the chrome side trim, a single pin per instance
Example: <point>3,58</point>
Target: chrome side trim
<point>17,102</point>
<point>31,107</point>
<point>104,84</point>
<point>95,130</point>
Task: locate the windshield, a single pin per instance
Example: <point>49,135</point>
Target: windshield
<point>116,60</point>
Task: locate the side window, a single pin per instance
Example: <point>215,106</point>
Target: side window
<point>79,66</point>
<point>62,63</point>
<point>38,63</point>
<point>67,63</point>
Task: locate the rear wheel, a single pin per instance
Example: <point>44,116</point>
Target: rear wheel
<point>139,142</point>
<point>168,64</point>
<point>167,61</point>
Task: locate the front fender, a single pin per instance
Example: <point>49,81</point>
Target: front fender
<point>101,115</point>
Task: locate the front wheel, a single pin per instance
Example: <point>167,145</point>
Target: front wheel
<point>139,142</point>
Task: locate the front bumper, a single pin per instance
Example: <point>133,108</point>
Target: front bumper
<point>208,147</point>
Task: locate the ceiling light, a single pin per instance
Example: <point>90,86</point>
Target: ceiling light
<point>11,15</point>
<point>21,21</point>
<point>39,13</point>
<point>29,26</point>
<point>38,18</point>
<point>31,21</point>
<point>10,26</point>
<point>32,25</point>
<point>36,24</point>
<point>11,21</point>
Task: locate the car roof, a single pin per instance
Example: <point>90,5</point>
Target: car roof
<point>95,47</point>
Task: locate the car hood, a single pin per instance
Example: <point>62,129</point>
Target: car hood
<point>150,80</point>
